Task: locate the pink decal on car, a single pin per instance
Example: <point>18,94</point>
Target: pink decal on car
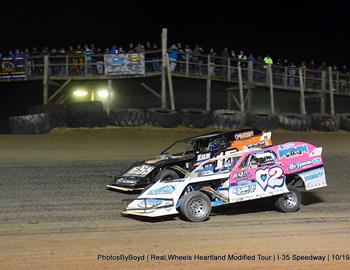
<point>270,177</point>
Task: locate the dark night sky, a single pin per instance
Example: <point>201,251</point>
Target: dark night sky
<point>292,29</point>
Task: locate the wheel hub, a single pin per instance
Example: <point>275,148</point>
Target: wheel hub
<point>198,207</point>
<point>290,200</point>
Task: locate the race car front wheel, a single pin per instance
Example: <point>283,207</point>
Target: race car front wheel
<point>196,206</point>
<point>289,202</point>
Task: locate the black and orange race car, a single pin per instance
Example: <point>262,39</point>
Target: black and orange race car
<point>184,155</point>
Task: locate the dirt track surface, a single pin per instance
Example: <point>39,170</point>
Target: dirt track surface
<point>55,212</point>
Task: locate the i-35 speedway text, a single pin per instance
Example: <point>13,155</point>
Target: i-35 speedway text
<point>280,171</point>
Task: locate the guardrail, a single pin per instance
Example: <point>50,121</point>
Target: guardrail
<point>186,64</point>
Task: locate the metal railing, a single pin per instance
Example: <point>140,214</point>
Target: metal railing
<point>190,65</point>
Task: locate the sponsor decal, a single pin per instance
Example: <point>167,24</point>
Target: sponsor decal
<point>162,190</point>
<point>201,157</point>
<point>314,178</point>
<point>140,171</point>
<point>301,164</point>
<point>269,178</point>
<point>243,187</point>
<point>313,174</point>
<point>288,152</point>
<point>257,144</point>
<point>244,135</point>
<point>241,175</point>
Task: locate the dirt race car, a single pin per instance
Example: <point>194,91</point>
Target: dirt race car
<point>280,171</point>
<point>183,156</point>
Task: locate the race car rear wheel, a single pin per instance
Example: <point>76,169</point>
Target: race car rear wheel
<point>289,202</point>
<point>166,174</point>
<point>195,206</point>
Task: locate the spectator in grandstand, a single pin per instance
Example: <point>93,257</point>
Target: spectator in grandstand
<point>92,48</point>
<point>148,57</point>
<point>268,60</point>
<point>292,71</point>
<point>188,52</point>
<point>242,56</point>
<point>139,48</point>
<point>114,50</point>
<point>121,50</point>
<point>131,48</point>
<point>233,54</point>
<point>212,58</point>
<point>181,57</point>
<point>173,54</point>
<point>251,58</point>
<point>225,56</point>
<point>195,58</point>
<point>323,67</point>
<point>312,65</point>
<point>156,57</point>
<point>88,60</point>
<point>344,69</point>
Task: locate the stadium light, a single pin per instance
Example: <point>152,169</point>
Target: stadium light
<point>103,93</point>
<point>80,93</point>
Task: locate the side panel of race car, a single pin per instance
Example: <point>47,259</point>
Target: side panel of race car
<point>302,159</point>
<point>237,179</point>
<point>164,192</point>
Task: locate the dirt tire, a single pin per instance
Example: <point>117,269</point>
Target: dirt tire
<point>30,124</point>
<point>228,119</point>
<point>57,114</point>
<point>345,121</point>
<point>166,174</point>
<point>262,121</point>
<point>127,117</point>
<point>325,122</point>
<point>196,206</point>
<point>164,118</point>
<point>289,202</point>
<point>87,114</point>
<point>196,118</point>
<point>292,121</point>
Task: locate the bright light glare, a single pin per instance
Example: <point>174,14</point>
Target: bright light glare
<point>103,93</point>
<point>80,93</point>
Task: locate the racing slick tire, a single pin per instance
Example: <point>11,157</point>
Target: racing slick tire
<point>30,124</point>
<point>262,121</point>
<point>57,114</point>
<point>196,206</point>
<point>325,122</point>
<point>228,119</point>
<point>164,118</point>
<point>289,202</point>
<point>166,174</point>
<point>293,121</point>
<point>87,114</point>
<point>127,117</point>
<point>196,118</point>
<point>345,121</point>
